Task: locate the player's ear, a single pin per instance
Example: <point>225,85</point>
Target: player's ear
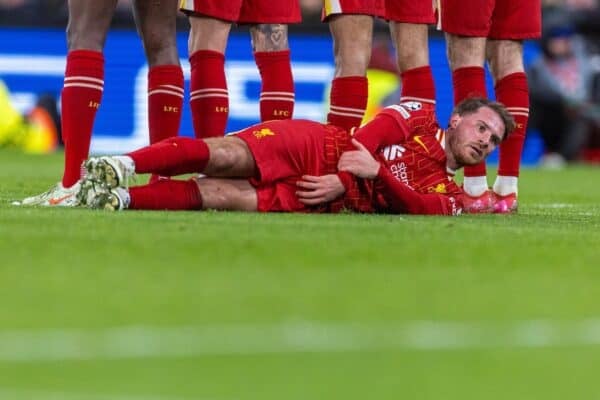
<point>454,120</point>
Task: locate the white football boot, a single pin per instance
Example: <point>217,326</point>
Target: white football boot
<point>100,197</point>
<point>57,196</point>
<point>111,172</point>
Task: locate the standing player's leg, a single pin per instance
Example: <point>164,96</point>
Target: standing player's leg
<point>272,56</point>
<point>409,31</point>
<point>156,23</point>
<point>467,24</point>
<point>269,22</point>
<point>89,21</point>
<point>513,22</point>
<point>506,64</point>
<point>209,98</point>
<point>352,40</point>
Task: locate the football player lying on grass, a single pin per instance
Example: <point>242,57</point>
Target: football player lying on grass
<point>401,162</point>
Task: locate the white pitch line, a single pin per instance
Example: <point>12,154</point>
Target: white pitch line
<point>280,338</point>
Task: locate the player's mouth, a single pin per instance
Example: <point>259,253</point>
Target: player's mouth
<point>476,150</point>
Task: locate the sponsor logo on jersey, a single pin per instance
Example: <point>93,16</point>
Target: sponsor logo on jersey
<point>456,209</point>
<point>439,188</point>
<point>417,138</point>
<point>393,152</point>
<point>412,105</point>
<point>264,132</point>
<point>399,171</point>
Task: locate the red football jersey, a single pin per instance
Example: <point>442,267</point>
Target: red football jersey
<point>409,144</point>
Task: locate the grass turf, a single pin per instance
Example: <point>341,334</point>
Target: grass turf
<point>68,270</point>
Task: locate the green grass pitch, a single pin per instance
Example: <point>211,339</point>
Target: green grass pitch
<point>234,306</point>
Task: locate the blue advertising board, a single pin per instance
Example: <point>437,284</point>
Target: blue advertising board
<point>32,62</point>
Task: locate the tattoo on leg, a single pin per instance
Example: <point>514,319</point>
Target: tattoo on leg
<point>269,37</point>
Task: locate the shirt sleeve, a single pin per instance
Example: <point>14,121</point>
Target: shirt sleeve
<point>387,128</point>
<point>404,200</point>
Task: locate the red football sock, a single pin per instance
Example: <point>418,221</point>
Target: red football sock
<point>277,91</point>
<point>470,82</point>
<point>165,99</point>
<point>418,85</point>
<point>513,92</point>
<point>169,194</point>
<point>172,156</point>
<point>348,101</point>
<point>80,99</point>
<point>209,98</point>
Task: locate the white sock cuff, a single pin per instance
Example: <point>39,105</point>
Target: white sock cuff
<point>475,185</point>
<point>505,185</point>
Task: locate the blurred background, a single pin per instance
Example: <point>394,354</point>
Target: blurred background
<point>563,67</point>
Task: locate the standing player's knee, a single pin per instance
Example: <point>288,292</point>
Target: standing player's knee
<point>505,57</point>
<point>269,37</point>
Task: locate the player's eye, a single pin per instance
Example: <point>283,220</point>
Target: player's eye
<point>481,128</point>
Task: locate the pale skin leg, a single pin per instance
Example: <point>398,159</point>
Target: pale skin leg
<point>208,34</point>
<point>229,157</point>
<point>352,42</point>
<point>411,43</point>
<point>227,194</point>
<point>505,57</point>
<point>269,37</point>
<point>465,51</point>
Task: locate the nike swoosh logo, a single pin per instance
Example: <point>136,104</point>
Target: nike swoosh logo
<point>58,200</point>
<point>417,139</point>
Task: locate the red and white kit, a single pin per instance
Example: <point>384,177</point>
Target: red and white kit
<point>408,143</point>
<point>409,11</point>
<point>246,11</point>
<point>494,19</point>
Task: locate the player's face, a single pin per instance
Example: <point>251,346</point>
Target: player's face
<point>474,136</point>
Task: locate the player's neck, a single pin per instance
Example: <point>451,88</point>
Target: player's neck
<point>451,162</point>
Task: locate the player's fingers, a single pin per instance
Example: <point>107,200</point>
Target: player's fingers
<point>309,194</point>
<point>307,185</point>
<point>311,178</point>
<point>359,145</point>
<point>312,202</point>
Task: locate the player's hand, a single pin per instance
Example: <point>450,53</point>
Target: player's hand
<point>314,190</point>
<point>359,162</point>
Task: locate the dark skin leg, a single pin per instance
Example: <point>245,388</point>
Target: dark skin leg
<point>156,24</point>
<point>89,21</point>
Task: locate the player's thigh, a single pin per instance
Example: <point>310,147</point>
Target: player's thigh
<point>516,20</point>
<point>156,22</point>
<point>227,194</point>
<point>229,157</point>
<point>352,40</point>
<point>89,21</point>
<point>207,33</point>
<point>505,57</point>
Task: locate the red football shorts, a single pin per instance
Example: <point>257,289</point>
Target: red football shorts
<point>410,11</point>
<point>375,8</point>
<point>494,19</point>
<point>246,11</point>
<point>284,150</point>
